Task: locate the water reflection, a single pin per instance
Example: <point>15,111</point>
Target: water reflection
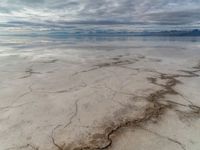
<point>72,40</point>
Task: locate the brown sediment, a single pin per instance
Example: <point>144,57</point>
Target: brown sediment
<point>115,63</point>
<point>50,61</point>
<point>112,62</point>
<point>153,112</point>
<point>29,73</point>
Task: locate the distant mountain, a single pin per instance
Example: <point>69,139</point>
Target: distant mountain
<point>100,32</point>
<point>194,32</point>
<point>74,32</point>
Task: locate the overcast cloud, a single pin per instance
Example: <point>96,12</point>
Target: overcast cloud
<point>122,11</point>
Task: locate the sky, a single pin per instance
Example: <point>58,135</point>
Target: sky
<point>51,13</point>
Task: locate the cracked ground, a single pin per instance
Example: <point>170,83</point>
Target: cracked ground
<point>133,94</point>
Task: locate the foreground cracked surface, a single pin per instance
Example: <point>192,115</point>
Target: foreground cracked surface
<point>81,98</point>
<point>154,111</point>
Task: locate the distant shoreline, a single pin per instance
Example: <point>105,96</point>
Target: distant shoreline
<point>170,33</point>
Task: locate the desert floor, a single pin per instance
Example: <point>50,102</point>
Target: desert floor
<point>96,94</point>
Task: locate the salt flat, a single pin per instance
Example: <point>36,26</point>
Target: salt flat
<point>95,94</point>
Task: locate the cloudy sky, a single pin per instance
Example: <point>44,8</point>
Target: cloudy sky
<point>157,12</point>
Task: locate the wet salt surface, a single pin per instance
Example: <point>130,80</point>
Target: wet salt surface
<point>107,93</point>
